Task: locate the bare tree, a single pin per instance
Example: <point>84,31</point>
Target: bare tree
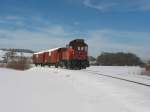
<point>9,56</point>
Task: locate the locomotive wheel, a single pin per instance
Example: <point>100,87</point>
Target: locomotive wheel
<point>70,65</point>
<point>56,65</point>
<point>61,64</point>
<point>64,64</point>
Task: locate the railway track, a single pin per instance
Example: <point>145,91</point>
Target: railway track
<point>119,78</point>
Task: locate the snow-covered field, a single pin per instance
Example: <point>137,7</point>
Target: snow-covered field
<point>60,90</point>
<point>125,72</point>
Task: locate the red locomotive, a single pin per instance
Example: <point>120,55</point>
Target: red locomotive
<point>73,56</point>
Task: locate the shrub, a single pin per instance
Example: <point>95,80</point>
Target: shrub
<point>2,65</point>
<point>20,64</point>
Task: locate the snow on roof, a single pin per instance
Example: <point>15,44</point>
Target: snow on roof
<point>53,49</point>
<point>49,50</point>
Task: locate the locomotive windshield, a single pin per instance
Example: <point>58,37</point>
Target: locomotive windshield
<point>78,45</point>
<point>82,48</point>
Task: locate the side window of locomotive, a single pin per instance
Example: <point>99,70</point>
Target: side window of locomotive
<point>49,53</point>
<point>78,48</point>
<point>37,56</point>
<point>83,48</point>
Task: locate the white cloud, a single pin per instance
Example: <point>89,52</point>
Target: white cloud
<point>10,18</point>
<point>99,6</point>
<point>118,6</point>
<point>46,38</point>
<point>12,21</point>
<point>76,23</point>
<point>56,30</point>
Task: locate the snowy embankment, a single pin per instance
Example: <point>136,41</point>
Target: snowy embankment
<point>61,90</point>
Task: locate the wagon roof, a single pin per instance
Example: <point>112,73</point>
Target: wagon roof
<point>48,50</point>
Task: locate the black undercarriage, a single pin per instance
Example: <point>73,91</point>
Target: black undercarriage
<point>72,64</point>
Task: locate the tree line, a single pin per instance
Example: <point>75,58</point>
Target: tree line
<point>117,59</point>
<point>17,50</point>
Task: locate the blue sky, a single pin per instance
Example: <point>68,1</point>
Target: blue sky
<point>106,25</point>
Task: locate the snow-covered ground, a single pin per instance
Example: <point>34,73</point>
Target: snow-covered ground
<point>60,90</point>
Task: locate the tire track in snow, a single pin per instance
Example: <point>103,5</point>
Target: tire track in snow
<point>123,79</point>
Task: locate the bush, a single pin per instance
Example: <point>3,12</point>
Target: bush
<point>145,72</point>
<point>2,65</point>
<point>20,64</point>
